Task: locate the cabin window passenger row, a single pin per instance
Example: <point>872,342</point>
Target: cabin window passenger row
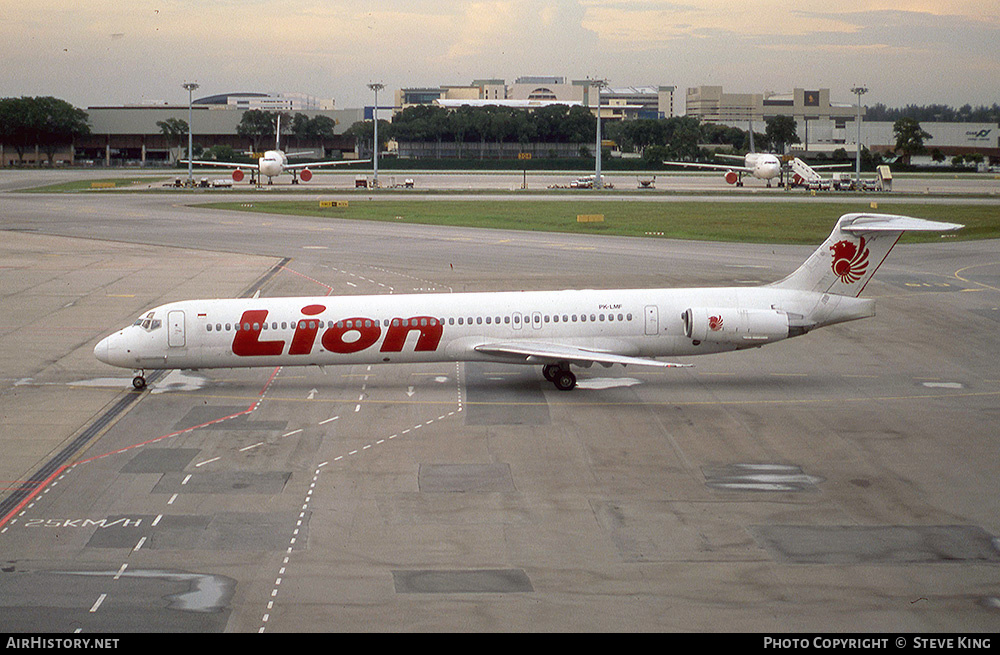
<point>423,322</point>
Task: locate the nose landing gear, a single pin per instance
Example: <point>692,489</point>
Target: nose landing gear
<point>139,381</point>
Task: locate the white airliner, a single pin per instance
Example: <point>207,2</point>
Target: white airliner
<point>274,163</point>
<point>761,165</point>
<point>554,329</point>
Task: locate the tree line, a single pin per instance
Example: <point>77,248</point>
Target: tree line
<point>40,123</point>
<point>678,137</point>
<point>259,126</point>
<point>935,113</point>
<point>489,124</point>
<point>684,137</point>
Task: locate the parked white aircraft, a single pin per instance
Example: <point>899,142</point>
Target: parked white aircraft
<point>555,329</point>
<point>761,165</point>
<point>274,163</point>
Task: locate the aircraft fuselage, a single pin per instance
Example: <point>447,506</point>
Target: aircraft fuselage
<point>763,166</point>
<point>556,329</point>
<point>272,163</point>
<point>326,330</point>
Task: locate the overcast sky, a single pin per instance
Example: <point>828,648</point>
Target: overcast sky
<point>100,52</point>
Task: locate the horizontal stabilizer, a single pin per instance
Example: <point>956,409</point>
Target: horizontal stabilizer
<point>854,251</point>
<point>533,352</point>
<point>893,223</point>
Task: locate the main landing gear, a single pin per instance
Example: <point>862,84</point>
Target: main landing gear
<point>560,375</point>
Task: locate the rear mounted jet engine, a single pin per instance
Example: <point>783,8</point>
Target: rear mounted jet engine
<point>743,328</point>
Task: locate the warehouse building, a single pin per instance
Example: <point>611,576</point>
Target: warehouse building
<point>133,136</point>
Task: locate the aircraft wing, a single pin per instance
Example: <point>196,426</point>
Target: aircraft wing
<point>818,166</point>
<point>317,164</point>
<point>533,352</point>
<point>741,158</point>
<point>223,164</point>
<point>719,167</point>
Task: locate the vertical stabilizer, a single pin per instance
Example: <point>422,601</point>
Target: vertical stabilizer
<point>853,252</point>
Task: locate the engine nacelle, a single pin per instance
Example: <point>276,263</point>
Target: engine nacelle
<point>238,175</point>
<point>306,175</point>
<point>732,177</point>
<point>740,327</point>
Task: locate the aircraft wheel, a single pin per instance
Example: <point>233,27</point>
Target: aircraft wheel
<point>139,382</point>
<point>565,380</point>
<point>550,371</point>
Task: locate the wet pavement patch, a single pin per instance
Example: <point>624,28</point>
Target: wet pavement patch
<point>503,394</point>
<point>889,544</point>
<point>496,581</point>
<point>161,460</point>
<point>223,482</point>
<point>213,417</point>
<point>465,478</point>
<point>223,531</point>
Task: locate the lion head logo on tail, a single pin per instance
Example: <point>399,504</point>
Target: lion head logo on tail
<point>850,260</point>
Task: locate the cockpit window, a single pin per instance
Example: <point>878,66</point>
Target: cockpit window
<point>148,323</point>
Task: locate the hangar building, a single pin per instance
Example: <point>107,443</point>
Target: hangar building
<point>131,136</point>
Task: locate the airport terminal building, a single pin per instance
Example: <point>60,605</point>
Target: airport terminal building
<point>527,92</point>
<point>132,135</point>
<point>824,126</point>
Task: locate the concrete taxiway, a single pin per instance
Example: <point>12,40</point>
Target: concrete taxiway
<point>927,185</point>
<point>841,481</point>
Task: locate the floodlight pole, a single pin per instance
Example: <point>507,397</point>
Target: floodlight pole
<point>597,168</point>
<point>190,86</point>
<point>376,87</point>
<point>858,91</point>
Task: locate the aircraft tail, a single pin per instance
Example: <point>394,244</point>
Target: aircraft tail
<point>852,253</point>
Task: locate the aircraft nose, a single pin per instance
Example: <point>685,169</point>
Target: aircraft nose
<point>102,349</point>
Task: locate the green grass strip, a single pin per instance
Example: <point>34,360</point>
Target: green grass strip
<point>753,222</point>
